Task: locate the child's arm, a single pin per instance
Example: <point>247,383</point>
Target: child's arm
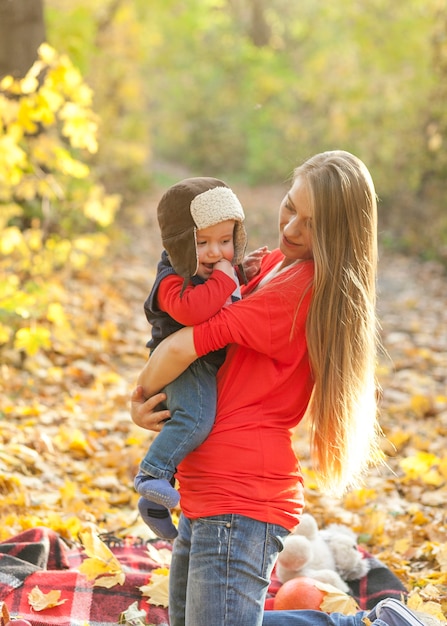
<point>197,303</point>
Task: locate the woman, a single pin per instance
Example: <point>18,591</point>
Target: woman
<point>303,340</point>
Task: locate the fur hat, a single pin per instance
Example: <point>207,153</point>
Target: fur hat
<point>194,204</point>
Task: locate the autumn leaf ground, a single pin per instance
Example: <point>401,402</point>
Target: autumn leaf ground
<point>69,450</point>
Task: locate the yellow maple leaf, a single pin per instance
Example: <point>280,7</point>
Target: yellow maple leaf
<point>102,566</point>
<point>40,601</point>
<point>336,601</point>
<point>157,589</point>
<point>422,466</point>
<point>32,339</point>
<point>416,603</point>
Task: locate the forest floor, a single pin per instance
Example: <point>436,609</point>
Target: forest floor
<point>70,450</point>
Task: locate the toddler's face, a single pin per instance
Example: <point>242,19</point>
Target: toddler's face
<point>213,244</point>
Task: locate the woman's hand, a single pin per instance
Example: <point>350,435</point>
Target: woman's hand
<point>144,410</point>
<point>252,261</point>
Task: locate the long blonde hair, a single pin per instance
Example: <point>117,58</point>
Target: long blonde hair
<point>341,328</point>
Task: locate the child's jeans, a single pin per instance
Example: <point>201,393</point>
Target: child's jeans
<point>191,399</point>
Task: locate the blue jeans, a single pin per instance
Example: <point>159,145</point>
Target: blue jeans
<point>220,570</point>
<point>317,618</point>
<point>191,398</point>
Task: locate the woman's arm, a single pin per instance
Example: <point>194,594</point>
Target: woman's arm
<point>170,359</point>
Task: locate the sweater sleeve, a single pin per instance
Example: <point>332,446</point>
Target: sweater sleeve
<point>265,321</point>
<point>197,303</point>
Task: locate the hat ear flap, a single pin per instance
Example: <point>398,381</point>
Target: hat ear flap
<point>182,252</point>
<point>240,245</point>
<point>240,242</point>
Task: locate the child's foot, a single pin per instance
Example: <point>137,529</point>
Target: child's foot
<point>158,490</point>
<point>396,613</point>
<point>158,518</point>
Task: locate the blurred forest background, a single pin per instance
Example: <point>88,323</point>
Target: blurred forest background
<point>248,88</point>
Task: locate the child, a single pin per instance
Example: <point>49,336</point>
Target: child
<point>201,224</point>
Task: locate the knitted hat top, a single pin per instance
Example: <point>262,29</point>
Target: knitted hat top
<point>194,204</point>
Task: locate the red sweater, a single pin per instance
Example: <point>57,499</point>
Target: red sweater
<point>197,303</point>
<point>247,464</point>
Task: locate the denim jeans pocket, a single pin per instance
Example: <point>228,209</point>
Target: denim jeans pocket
<point>277,534</point>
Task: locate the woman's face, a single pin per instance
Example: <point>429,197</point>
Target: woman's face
<point>295,223</point>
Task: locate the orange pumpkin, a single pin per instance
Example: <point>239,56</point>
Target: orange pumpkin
<point>299,593</point>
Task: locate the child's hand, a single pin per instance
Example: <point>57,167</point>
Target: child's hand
<point>225,266</point>
<point>252,261</point>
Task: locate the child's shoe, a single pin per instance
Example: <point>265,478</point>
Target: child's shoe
<point>158,490</point>
<point>158,518</point>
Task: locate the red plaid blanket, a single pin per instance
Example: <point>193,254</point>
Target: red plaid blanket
<point>39,557</point>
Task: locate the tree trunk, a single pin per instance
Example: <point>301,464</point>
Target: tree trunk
<point>22,30</point>
<point>252,15</point>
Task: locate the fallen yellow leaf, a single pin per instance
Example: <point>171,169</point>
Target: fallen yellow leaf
<point>336,601</point>
<point>102,566</point>
<point>40,601</point>
<point>162,556</point>
<point>157,589</point>
<point>416,603</point>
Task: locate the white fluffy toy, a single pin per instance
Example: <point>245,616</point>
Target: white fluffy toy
<point>330,555</point>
